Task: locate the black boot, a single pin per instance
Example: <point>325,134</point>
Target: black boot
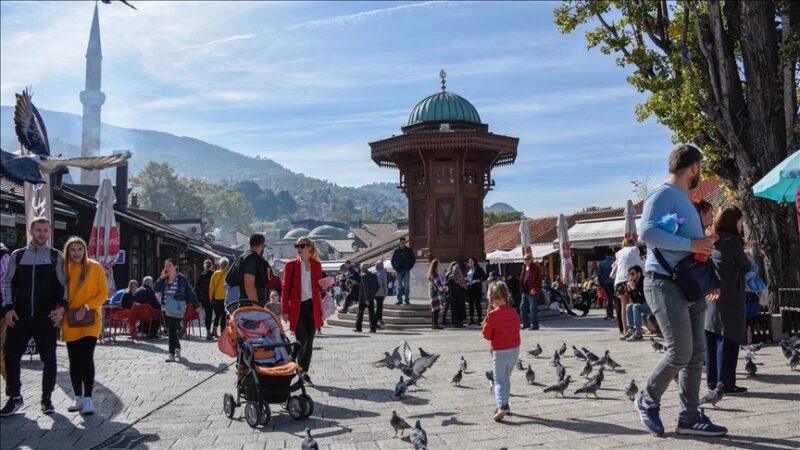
<point>435,320</point>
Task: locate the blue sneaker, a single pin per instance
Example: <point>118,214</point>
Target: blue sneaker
<point>701,426</point>
<point>649,416</point>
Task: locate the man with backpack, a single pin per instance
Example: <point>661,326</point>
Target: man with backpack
<point>249,271</point>
<point>33,306</point>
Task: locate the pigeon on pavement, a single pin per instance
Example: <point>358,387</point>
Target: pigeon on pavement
<point>793,360</point>
<point>309,443</point>
<point>462,364</point>
<point>600,375</point>
<point>714,396</point>
<point>561,371</point>
<point>750,367</point>
<point>490,377</point>
<point>556,358</point>
<point>587,369</point>
<point>657,346</point>
<point>530,375</point>
<point>398,424</point>
<point>457,378</point>
<point>419,438</point>
<point>632,390</point>
<point>536,351</point>
<point>611,363</point>
<point>563,349</point>
<point>519,365</point>
<point>590,387</point>
<point>559,387</point>
<point>578,354</point>
<point>400,388</point>
<point>589,355</point>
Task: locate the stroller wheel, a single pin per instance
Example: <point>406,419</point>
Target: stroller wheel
<point>295,407</point>
<point>265,413</point>
<point>228,405</point>
<point>252,414</point>
<point>308,405</point>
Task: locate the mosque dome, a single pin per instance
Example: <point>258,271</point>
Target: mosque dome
<point>329,232</point>
<point>296,233</point>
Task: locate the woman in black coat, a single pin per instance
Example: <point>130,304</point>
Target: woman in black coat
<point>475,278</point>
<point>725,318</point>
<point>457,294</point>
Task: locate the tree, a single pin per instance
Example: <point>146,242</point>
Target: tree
<point>162,190</point>
<point>721,74</point>
<point>491,218</point>
<point>642,185</point>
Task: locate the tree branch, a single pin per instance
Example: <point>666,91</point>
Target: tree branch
<point>661,41</point>
<point>647,72</point>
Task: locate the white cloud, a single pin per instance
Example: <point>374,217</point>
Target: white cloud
<point>347,19</point>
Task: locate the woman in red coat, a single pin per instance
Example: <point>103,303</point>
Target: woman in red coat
<point>300,299</point>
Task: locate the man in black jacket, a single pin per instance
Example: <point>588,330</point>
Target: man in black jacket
<point>33,304</point>
<point>403,261</point>
<point>366,299</point>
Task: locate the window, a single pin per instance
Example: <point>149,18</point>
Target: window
<point>445,217</point>
<point>420,217</point>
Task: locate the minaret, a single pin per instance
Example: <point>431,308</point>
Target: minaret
<point>92,99</point>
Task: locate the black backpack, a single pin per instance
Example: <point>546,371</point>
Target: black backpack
<point>234,277</point>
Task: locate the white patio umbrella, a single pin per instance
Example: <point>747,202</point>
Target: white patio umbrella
<point>525,237</point>
<point>104,240</point>
<point>565,251</point>
<point>630,222</point>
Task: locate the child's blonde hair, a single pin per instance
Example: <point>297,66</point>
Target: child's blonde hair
<point>498,292</point>
<point>274,294</point>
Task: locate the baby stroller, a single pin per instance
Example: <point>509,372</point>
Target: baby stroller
<point>265,366</point>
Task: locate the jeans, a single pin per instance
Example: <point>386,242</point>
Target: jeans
<point>529,310</point>
<point>503,362</point>
<point>683,325</point>
<point>403,278</point>
<point>17,337</point>
<point>722,355</point>
<point>305,333</point>
<point>635,313</point>
<point>173,324</point>
<point>81,365</point>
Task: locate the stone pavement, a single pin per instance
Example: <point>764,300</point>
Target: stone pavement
<point>143,402</point>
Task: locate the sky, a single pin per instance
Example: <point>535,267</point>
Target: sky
<point>309,85</point>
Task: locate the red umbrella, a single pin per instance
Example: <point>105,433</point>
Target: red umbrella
<point>104,241</point>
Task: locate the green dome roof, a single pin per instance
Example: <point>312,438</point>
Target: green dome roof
<point>442,107</point>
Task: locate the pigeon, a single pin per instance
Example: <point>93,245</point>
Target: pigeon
<point>590,387</point>
<point>753,348</point>
<point>490,377</point>
<point>794,360</point>
<point>563,349</point>
<point>536,351</point>
<point>561,371</point>
<point>556,358</point>
<point>423,353</point>
<point>519,365</point>
<point>714,396</point>
<point>611,363</point>
<point>398,424</point>
<point>578,354</point>
<point>415,368</point>
<point>657,346</point>
<point>457,378</point>
<point>419,438</point>
<point>108,2</point>
<point>587,369</point>
<point>590,356</point>
<point>400,388</point>
<point>462,364</point>
<point>309,443</point>
<point>530,375</point>
<point>600,375</point>
<point>632,390</point>
<point>750,367</point>
<point>559,387</point>
<point>391,361</point>
<point>29,168</point>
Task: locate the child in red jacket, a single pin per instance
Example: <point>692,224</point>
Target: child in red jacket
<point>501,327</point>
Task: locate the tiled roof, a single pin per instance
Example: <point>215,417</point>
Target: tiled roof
<point>372,233</point>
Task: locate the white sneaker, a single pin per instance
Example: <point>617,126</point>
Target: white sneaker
<point>88,406</point>
<point>177,354</point>
<point>171,358</point>
<point>77,406</point>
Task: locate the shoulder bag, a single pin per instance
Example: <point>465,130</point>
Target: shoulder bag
<point>696,279</point>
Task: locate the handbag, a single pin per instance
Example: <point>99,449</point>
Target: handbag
<point>174,308</point>
<point>695,278</point>
<point>87,320</point>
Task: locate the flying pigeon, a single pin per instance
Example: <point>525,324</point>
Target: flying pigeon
<point>589,355</point>
<point>309,443</point>
<point>793,360</point>
<point>632,390</point>
<point>423,353</point>
<point>400,388</point>
<point>657,346</point>
<point>578,354</point>
<point>29,168</point>
<point>457,378</point>
<point>753,348</point>
<point>398,424</point>
<point>391,361</point>
<point>419,438</point>
<point>563,349</point>
<point>561,371</point>
<point>519,365</point>
<point>559,387</point>
<point>462,364</point>
<point>536,351</point>
<point>29,126</point>
<point>750,367</point>
<point>490,377</point>
<point>590,387</point>
<point>714,396</point>
<point>530,375</point>
<point>415,368</point>
<point>587,369</point>
<point>108,2</point>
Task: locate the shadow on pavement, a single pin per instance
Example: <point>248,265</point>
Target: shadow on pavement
<point>575,424</point>
<point>371,395</point>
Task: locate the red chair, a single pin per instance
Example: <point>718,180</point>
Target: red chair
<point>189,317</point>
<point>117,319</point>
<point>141,311</point>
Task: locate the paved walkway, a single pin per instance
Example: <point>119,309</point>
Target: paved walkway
<point>143,402</point>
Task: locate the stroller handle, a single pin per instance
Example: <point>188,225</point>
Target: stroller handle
<point>260,343</point>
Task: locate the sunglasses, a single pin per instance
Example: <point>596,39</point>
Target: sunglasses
<point>299,246</point>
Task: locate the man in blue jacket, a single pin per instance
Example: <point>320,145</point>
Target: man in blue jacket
<point>681,319</point>
<point>604,268</point>
<point>403,261</point>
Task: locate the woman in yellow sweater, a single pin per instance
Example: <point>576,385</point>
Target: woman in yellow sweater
<point>86,291</point>
<point>216,294</point>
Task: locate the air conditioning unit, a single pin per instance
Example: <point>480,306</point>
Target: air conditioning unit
<point>444,127</point>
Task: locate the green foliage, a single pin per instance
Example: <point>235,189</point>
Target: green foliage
<point>490,218</point>
<point>596,208</point>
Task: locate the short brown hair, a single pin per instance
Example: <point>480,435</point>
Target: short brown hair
<point>727,218</point>
<point>257,239</point>
<point>40,219</point>
<point>683,156</point>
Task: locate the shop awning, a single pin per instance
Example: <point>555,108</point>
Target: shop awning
<point>587,234</point>
<point>514,256</point>
<point>206,251</point>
